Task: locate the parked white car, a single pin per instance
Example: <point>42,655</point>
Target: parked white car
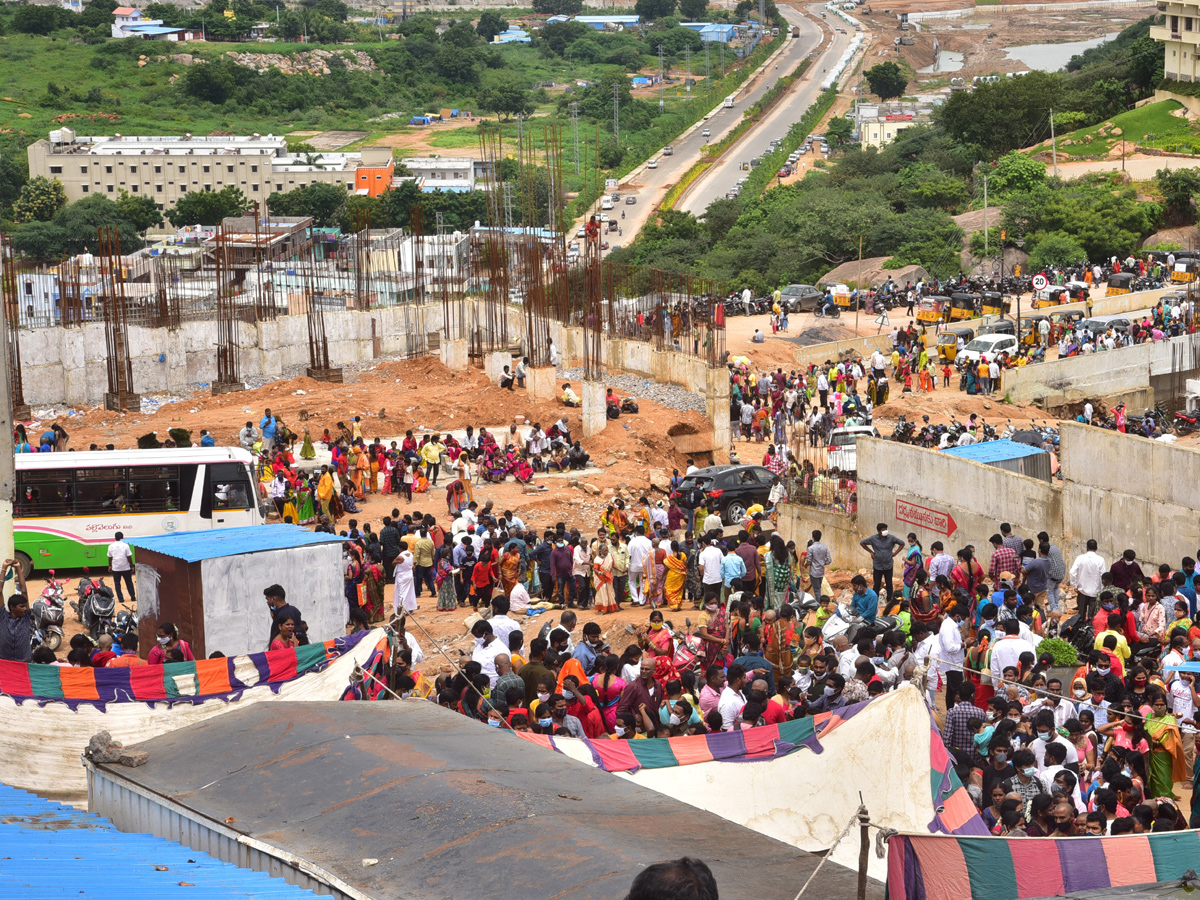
<point>842,453</point>
<point>989,345</point>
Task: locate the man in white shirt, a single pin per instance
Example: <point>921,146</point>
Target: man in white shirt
<point>941,563</point>
<point>1085,578</point>
<point>639,549</point>
<point>712,522</point>
<point>732,700</point>
<point>1045,733</point>
<point>1184,701</point>
<point>120,563</point>
<point>950,650</point>
<point>502,625</point>
<point>710,571</point>
<point>487,648</point>
<point>1007,651</point>
<point>691,468</point>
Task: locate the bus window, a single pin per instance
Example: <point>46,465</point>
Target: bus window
<point>100,491</point>
<point>154,489</point>
<point>228,488</point>
<point>45,492</point>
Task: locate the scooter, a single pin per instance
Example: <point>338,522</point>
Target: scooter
<point>831,311</point>
<point>97,605</point>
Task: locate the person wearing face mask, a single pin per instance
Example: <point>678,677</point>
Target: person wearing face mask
<point>831,695</point>
<point>167,638</point>
<point>487,648</point>
<point>1026,782</point>
<point>278,608</point>
<point>998,769</point>
<point>883,548</point>
<point>535,671</point>
<point>1044,734</point>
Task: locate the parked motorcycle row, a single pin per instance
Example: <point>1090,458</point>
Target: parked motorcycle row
<point>96,608</point>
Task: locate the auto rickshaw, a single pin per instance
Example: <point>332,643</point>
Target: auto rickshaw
<point>1067,317</point>
<point>962,306</point>
<point>994,304</point>
<point>1186,270</point>
<point>932,309</point>
<point>1030,335</point>
<point>1122,282</point>
<point>998,326</point>
<point>1078,290</point>
<point>947,346</point>
<point>1055,295</point>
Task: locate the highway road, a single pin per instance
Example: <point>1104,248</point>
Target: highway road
<point>650,185</point>
<point>721,177</point>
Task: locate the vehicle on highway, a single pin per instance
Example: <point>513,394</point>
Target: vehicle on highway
<point>580,233</point>
<point>795,31</point>
<point>801,297</point>
<point>803,149</point>
<point>706,133</point>
<point>732,195</point>
<point>785,172</point>
<point>730,490</point>
<point>653,164</point>
<point>668,150</point>
<point>630,200</point>
<point>729,101</point>
<point>1101,324</point>
<point>989,345</point>
<point>756,162</point>
<point>842,451</point>
<point>606,202</point>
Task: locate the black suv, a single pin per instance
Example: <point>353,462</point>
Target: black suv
<point>730,490</point>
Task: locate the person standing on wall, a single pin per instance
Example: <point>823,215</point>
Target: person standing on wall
<point>120,563</point>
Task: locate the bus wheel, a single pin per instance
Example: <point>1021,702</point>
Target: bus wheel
<point>25,563</point>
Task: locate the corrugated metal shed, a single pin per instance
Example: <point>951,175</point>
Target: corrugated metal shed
<point>447,807</point>
<point>194,546</point>
<point>1021,459</point>
<point>54,850</point>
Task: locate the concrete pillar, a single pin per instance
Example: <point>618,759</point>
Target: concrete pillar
<point>716,409</point>
<point>454,355</point>
<point>494,363</point>
<point>541,383</point>
<point>595,412</point>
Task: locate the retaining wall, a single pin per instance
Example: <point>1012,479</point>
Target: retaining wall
<point>940,497</point>
<point>839,532</point>
<point>1129,492</point>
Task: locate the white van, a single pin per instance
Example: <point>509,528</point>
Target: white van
<point>606,202</point>
<point>729,101</point>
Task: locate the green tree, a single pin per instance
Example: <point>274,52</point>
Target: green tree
<point>1015,172</point>
<point>557,36</point>
<point>693,10</point>
<point>456,65</point>
<point>208,207</point>
<point>886,80</point>
<point>98,13</point>
<point>490,24</point>
<point>211,81</point>
<point>838,130</point>
<point>1004,115</point>
<point>39,200</point>
<point>504,95</point>
<point>37,19</point>
<point>653,10</point>
<point>1054,249</point>
<point>323,202</point>
<point>40,241</point>
<point>557,7</point>
<point>1178,189</point>
<point>611,153</point>
<point>80,220</point>
<point>139,210</point>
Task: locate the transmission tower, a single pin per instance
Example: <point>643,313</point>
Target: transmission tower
<point>506,187</point>
<point>762,17</point>
<point>617,113</point>
<point>661,76</point>
<point>575,128</point>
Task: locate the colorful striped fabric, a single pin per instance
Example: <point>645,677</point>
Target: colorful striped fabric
<point>942,867</point>
<point>192,682</point>
<point>750,745</point>
<point>954,811</point>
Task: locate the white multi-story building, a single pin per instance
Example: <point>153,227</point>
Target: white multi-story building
<point>1180,36</point>
<point>167,168</point>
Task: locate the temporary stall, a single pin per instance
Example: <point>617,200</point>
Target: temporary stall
<point>210,585</point>
<point>1012,456</point>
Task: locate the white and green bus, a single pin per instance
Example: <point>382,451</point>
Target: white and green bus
<point>69,505</point>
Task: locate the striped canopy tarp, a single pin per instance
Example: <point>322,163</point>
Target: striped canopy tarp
<point>763,742</point>
<point>943,867</point>
<point>185,682</point>
<point>953,809</point>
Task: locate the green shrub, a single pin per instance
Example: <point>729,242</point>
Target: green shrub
<point>1064,654</point>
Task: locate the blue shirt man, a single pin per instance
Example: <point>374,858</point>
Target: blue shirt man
<point>865,601</point>
<point>206,440</point>
<point>732,567</point>
<point>267,424</point>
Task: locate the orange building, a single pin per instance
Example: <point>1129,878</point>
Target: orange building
<point>374,176</point>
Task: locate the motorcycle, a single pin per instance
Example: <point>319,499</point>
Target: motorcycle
<point>830,311</point>
<point>97,605</point>
<point>1186,423</point>
<point>689,650</point>
<point>903,432</point>
<point>46,615</point>
<point>1078,633</point>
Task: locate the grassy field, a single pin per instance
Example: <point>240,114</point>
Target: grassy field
<point>1153,119</point>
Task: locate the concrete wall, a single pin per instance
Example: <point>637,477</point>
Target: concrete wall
<point>936,487</point>
<point>839,532</point>
<point>1113,375</point>
<point>1152,512</point>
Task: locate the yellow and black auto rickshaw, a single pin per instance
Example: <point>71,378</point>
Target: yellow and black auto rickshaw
<point>947,346</point>
<point>1067,317</point>
<point>962,306</point>
<point>932,309</point>
<point>1052,296</point>
<point>1186,270</point>
<point>1122,283</point>
<point>994,304</point>
<point>1030,335</point>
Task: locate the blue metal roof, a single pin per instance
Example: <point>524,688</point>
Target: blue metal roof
<point>55,850</point>
<point>994,451</point>
<point>193,546</point>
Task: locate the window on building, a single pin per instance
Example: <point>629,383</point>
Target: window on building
<point>108,170</point>
<point>158,170</point>
<point>83,170</point>
<point>110,189</point>
<point>254,168</point>
<point>279,187</point>
<point>229,168</point>
<point>206,168</point>
<point>254,187</point>
<point>182,170</point>
<point>158,188</point>
<point>1187,23</point>
<point>133,169</point>
<point>85,188</point>
<point>133,188</point>
<point>56,170</point>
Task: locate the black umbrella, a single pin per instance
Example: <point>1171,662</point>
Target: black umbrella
<point>1033,438</point>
